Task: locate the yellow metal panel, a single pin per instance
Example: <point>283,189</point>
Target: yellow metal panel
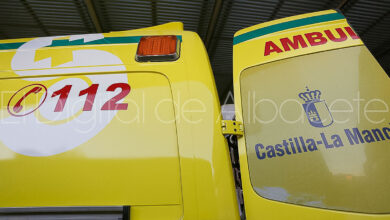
<point>207,185</point>
<point>98,163</point>
<point>156,212</point>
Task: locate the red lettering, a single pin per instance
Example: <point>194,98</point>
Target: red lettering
<point>112,103</point>
<point>271,47</point>
<point>63,93</point>
<point>351,33</point>
<point>341,33</point>
<point>91,93</point>
<point>297,40</point>
<point>315,38</point>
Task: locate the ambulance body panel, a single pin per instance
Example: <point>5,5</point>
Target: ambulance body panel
<point>86,125</point>
<point>92,126</point>
<point>311,150</point>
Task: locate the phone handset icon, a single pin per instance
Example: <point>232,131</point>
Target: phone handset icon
<point>18,106</point>
<point>27,91</point>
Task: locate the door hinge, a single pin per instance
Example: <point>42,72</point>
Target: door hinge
<point>232,127</point>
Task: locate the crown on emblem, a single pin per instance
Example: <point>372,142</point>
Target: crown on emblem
<point>310,95</point>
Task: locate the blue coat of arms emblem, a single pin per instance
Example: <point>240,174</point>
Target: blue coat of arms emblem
<point>316,110</point>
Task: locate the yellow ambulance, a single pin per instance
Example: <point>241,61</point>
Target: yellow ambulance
<point>128,125</point>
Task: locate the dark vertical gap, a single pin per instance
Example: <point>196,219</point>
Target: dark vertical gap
<point>82,15</point>
<point>216,36</point>
<point>218,31</point>
<point>202,16</point>
<point>154,12</point>
<point>35,17</point>
<point>106,23</point>
<point>214,17</point>
<point>226,92</point>
<point>126,213</point>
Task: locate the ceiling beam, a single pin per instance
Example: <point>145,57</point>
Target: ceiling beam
<point>201,19</point>
<point>213,21</point>
<point>342,4</point>
<point>276,10</point>
<point>93,16</point>
<point>213,44</point>
<point>35,17</point>
<point>345,5</point>
<point>83,16</point>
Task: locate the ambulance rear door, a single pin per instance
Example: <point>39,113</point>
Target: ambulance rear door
<point>314,104</point>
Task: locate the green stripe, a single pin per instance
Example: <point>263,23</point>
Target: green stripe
<point>63,43</point>
<point>286,25</point>
<point>10,46</point>
<point>107,40</point>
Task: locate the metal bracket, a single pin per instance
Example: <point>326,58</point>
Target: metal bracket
<point>232,127</point>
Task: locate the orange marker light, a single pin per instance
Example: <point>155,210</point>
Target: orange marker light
<point>158,48</point>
